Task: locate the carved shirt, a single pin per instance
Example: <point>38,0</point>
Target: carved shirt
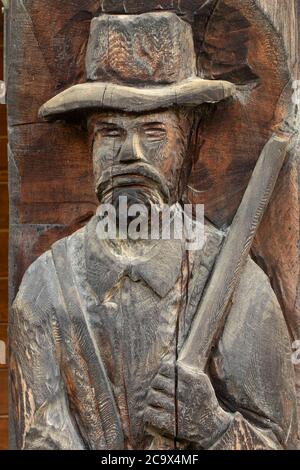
<point>133,313</point>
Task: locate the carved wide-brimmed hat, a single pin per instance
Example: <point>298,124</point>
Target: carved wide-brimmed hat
<point>139,63</point>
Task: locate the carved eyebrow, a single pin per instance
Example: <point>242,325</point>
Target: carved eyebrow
<point>102,124</point>
<point>159,125</point>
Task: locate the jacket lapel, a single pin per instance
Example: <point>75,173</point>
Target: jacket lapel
<point>93,403</point>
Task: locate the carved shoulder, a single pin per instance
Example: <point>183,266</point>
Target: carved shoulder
<point>34,299</point>
<point>42,418</point>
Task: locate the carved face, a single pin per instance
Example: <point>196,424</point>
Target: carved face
<point>142,157</point>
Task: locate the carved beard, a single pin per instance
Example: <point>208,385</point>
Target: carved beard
<point>147,196</point>
<point>139,183</point>
<point>135,195</point>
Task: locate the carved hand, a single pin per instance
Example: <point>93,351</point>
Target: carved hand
<point>200,419</point>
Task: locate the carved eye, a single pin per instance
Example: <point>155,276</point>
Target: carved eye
<point>112,133</point>
<point>154,132</point>
<point>109,131</point>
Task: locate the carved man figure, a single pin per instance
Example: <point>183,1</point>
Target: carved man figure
<point>98,324</point>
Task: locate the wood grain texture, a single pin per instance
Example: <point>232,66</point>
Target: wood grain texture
<point>210,168</point>
<point>3,392</point>
<point>3,253</point>
<point>46,186</point>
<point>284,15</point>
<point>159,50</point>
<point>192,92</point>
<point>3,121</point>
<point>1,62</point>
<point>3,300</point>
<point>51,186</point>
<point>215,306</point>
<point>28,241</point>
<point>145,344</point>
<point>3,159</point>
<point>3,433</point>
<point>222,173</point>
<point>224,168</point>
<point>3,206</point>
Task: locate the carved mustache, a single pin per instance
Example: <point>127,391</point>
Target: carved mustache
<point>131,175</point>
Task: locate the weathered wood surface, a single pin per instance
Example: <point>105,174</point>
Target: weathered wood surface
<point>3,433</point>
<point>226,164</point>
<point>3,392</point>
<point>112,96</point>
<point>214,308</point>
<point>3,254</point>
<point>218,298</point>
<point>285,18</point>
<point>279,254</point>
<point>3,300</point>
<point>51,172</point>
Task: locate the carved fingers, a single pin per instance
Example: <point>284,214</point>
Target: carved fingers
<point>160,412</point>
<point>182,404</point>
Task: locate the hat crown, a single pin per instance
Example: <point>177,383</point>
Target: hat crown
<point>147,49</point>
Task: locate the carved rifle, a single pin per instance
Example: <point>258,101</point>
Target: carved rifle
<point>215,305</point>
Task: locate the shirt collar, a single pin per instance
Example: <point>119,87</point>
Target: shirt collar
<point>159,269</point>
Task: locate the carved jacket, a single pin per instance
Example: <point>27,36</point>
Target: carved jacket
<point>89,331</point>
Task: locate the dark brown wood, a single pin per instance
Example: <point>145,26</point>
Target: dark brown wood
<point>68,76</point>
<point>3,253</point>
<point>3,159</point>
<point>3,225</point>
<point>3,392</point>
<point>3,122</point>
<point>3,206</point>
<point>3,300</point>
<point>3,433</point>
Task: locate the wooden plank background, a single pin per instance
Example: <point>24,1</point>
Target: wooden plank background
<point>3,258</point>
<point>50,167</point>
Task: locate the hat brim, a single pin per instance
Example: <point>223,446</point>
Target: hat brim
<point>98,95</point>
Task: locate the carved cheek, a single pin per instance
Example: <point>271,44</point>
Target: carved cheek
<point>156,153</point>
<point>105,154</point>
<point>169,160</point>
<point>153,153</point>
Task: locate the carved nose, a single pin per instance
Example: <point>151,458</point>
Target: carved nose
<point>131,150</point>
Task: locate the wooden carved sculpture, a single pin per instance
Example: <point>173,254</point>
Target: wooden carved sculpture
<point>143,344</point>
